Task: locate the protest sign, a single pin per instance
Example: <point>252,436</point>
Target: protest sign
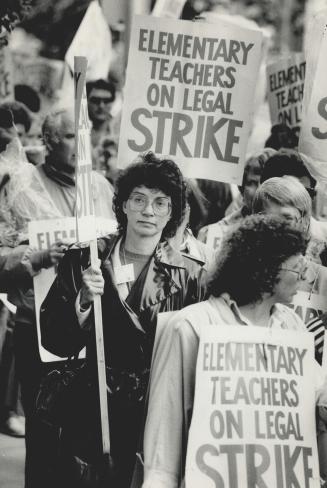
<point>189,95</point>
<point>308,305</point>
<point>42,234</point>
<point>215,236</point>
<point>313,135</point>
<point>251,424</point>
<point>85,221</point>
<point>285,84</point>
<point>6,76</point>
<point>168,8</point>
<point>310,301</point>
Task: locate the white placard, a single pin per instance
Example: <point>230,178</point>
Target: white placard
<point>252,425</point>
<point>189,95</point>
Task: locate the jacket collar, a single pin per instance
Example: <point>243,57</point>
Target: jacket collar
<point>164,252</point>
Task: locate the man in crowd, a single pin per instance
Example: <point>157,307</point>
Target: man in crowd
<point>58,171</point>
<point>140,276</point>
<point>100,96</point>
<point>21,263</point>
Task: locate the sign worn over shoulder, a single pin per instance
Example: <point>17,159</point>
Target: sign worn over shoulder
<point>189,95</point>
<point>252,425</point>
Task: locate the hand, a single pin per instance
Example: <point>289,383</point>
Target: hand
<point>57,251</point>
<point>93,285</point>
<point>49,257</point>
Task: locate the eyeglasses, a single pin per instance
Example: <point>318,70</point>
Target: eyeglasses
<point>98,100</point>
<point>301,275</point>
<point>161,205</point>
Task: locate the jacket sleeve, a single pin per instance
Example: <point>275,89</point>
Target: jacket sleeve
<point>61,333</point>
<point>18,265</point>
<point>171,395</point>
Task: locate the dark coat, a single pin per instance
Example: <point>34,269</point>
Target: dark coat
<point>169,282</point>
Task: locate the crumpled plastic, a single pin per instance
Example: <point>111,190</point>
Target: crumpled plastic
<point>23,196</point>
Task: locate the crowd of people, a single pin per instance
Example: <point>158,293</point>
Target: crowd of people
<point>268,245</point>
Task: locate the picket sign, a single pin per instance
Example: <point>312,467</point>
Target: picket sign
<point>285,87</point>
<point>308,306</point>
<point>168,8</point>
<point>253,421</point>
<point>189,95</point>
<point>86,226</point>
<point>313,135</point>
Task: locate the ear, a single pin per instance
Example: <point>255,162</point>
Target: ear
<point>124,207</point>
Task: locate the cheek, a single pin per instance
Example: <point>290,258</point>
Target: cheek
<point>163,221</point>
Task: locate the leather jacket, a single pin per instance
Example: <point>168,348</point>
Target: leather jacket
<point>171,282</point>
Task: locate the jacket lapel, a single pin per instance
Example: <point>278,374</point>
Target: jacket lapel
<point>160,282</point>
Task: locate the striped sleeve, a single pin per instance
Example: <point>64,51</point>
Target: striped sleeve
<point>317,327</point>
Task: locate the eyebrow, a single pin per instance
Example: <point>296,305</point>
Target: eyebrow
<point>144,195</point>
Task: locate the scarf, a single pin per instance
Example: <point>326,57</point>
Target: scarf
<point>61,178</point>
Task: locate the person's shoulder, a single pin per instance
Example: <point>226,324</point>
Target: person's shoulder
<point>290,318</point>
<point>190,318</point>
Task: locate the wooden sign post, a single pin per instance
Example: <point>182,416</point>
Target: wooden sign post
<point>86,225</point>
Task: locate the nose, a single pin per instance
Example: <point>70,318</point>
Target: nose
<point>148,209</point>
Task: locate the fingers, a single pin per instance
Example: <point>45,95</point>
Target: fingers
<point>93,279</point>
<point>59,246</point>
<point>93,284</point>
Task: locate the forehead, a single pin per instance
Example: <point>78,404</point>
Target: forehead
<point>66,123</point>
<point>100,93</point>
<point>149,192</point>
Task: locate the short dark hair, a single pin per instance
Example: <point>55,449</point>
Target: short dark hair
<point>286,162</point>
<point>282,136</point>
<point>251,256</point>
<point>101,85</point>
<point>154,173</point>
<point>17,112</point>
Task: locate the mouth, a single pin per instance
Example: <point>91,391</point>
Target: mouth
<point>143,222</point>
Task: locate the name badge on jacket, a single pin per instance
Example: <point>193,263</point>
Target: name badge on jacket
<point>124,274</point>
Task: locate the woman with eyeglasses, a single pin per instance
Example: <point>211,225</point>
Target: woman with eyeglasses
<point>254,279</point>
<point>139,276</point>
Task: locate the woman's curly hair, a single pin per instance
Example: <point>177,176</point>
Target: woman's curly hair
<point>249,262</point>
<point>153,173</point>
